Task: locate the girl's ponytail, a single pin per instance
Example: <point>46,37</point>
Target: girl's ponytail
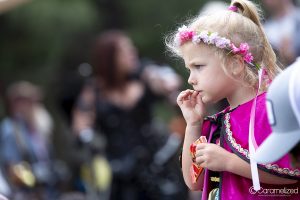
<point>252,11</point>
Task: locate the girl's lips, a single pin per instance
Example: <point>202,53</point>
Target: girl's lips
<point>200,91</point>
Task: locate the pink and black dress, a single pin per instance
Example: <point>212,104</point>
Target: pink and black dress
<point>230,129</point>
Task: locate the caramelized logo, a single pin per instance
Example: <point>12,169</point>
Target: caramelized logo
<point>274,192</point>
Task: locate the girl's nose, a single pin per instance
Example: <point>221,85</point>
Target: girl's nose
<point>191,80</point>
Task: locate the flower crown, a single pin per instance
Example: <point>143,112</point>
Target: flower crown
<point>212,38</point>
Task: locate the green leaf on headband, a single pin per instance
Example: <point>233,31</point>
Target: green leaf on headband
<point>229,52</point>
<point>257,66</point>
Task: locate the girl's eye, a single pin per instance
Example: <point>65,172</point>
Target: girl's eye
<point>198,66</point>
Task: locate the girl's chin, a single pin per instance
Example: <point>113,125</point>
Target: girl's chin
<point>207,100</point>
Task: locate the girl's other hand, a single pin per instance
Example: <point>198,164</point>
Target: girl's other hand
<point>192,107</point>
<point>212,157</point>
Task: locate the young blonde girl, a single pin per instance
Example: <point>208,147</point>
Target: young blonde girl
<point>223,52</point>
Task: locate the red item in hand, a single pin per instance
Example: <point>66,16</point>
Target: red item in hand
<point>195,168</point>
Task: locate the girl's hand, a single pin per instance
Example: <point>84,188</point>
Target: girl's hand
<point>192,107</point>
<point>212,157</point>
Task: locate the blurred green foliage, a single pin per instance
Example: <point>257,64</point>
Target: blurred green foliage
<point>34,37</point>
<point>38,37</point>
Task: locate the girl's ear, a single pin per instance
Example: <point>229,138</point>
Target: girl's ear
<point>237,65</point>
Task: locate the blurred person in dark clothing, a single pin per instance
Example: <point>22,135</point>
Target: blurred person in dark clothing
<point>283,29</point>
<point>25,142</point>
<point>118,103</point>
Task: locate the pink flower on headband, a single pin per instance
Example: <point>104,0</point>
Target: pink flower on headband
<point>243,50</point>
<point>248,58</point>
<point>233,8</point>
<point>184,35</point>
<point>234,48</point>
<point>244,47</point>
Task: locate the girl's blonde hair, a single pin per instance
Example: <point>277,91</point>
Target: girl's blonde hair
<point>242,26</point>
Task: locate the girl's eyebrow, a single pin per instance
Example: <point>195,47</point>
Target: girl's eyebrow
<point>193,62</point>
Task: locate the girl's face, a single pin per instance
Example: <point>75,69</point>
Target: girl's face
<point>206,72</point>
<point>126,56</point>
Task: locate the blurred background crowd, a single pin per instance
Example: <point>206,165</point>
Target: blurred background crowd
<point>88,96</point>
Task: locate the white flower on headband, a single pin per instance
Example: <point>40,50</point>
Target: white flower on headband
<point>185,34</point>
<point>183,28</point>
<point>213,37</point>
<point>204,36</point>
<point>222,42</point>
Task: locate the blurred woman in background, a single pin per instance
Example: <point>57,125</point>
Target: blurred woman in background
<point>118,103</point>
